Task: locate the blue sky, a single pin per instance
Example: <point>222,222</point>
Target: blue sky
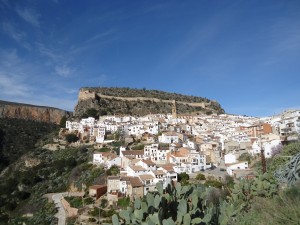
<point>244,54</point>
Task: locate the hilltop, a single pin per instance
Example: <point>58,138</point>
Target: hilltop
<point>111,100</point>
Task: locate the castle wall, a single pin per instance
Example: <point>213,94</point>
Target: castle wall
<point>86,94</point>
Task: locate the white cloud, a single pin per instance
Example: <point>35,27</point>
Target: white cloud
<point>11,85</point>
<point>10,30</point>
<point>70,91</point>
<point>64,70</point>
<point>58,59</point>
<point>21,81</point>
<point>30,16</point>
<point>18,36</point>
<point>11,79</point>
<point>50,53</point>
<point>100,35</point>
<point>9,58</point>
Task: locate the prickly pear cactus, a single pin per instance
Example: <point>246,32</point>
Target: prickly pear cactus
<point>172,206</point>
<point>243,194</point>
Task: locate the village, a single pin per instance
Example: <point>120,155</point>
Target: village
<point>159,147</point>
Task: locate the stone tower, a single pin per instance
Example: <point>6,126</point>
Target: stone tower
<point>174,111</point>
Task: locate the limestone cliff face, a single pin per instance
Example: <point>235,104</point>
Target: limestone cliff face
<point>31,112</point>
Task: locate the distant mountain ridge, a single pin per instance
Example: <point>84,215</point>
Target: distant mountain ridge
<point>108,100</point>
<point>31,112</point>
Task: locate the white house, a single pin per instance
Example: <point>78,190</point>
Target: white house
<point>137,129</point>
<point>169,137</point>
<point>152,127</point>
<point>187,160</point>
<point>230,158</point>
<point>137,154</point>
<point>147,163</point>
<point>156,153</point>
<point>236,166</point>
<point>114,161</point>
<point>268,147</point>
<point>168,169</point>
<point>104,158</point>
<point>136,171</point>
<point>74,126</point>
<point>148,181</point>
<point>111,127</point>
<point>88,122</point>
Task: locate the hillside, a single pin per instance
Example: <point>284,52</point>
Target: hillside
<point>18,137</point>
<point>28,171</point>
<point>109,101</point>
<point>31,112</point>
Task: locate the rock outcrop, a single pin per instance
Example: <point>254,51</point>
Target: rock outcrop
<point>140,102</point>
<point>31,112</point>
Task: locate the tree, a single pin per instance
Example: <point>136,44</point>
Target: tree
<point>71,162</point>
<point>103,202</point>
<point>91,112</point>
<point>183,178</point>
<point>228,181</point>
<point>113,171</point>
<point>23,195</point>
<point>245,157</point>
<point>63,121</point>
<point>70,138</point>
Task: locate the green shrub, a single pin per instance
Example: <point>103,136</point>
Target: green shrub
<point>213,183</point>
<point>91,112</point>
<point>75,202</point>
<point>183,178</point>
<point>105,149</point>
<point>23,195</point>
<point>282,158</point>
<point>113,170</point>
<point>70,138</point>
<point>107,213</point>
<point>88,201</point>
<point>138,147</point>
<point>246,157</point>
<point>103,202</point>
<point>92,220</point>
<point>200,176</point>
<point>124,202</point>
<point>282,209</point>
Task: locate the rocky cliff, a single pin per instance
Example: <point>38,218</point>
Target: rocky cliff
<point>31,112</point>
<point>140,102</point>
